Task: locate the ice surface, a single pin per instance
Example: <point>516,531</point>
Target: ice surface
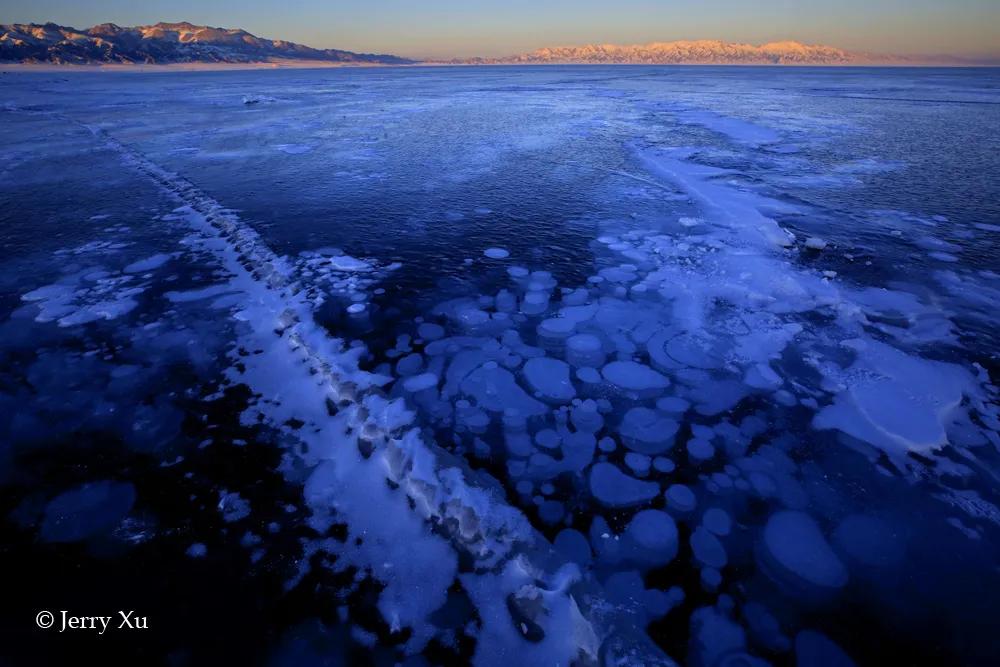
<point>486,406</point>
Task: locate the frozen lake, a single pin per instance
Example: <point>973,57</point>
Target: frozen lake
<point>556,365</point>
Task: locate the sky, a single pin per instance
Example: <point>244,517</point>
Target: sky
<point>454,28</point>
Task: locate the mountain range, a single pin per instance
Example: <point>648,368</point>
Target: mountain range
<point>162,43</point>
<point>707,52</point>
<point>169,43</point>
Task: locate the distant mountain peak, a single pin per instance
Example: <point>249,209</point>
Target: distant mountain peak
<point>160,43</point>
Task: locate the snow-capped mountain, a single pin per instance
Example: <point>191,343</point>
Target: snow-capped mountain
<point>160,43</point>
<point>697,52</point>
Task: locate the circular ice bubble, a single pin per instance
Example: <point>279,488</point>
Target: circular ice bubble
<point>356,308</point>
<point>707,549</point>
<point>652,538</point>
<point>497,253</point>
<point>700,450</point>
<point>197,550</point>
<point>547,438</point>
<point>584,350</point>
<point>534,302</point>
<point>672,404</point>
<point>517,272</point>
<point>409,364</point>
<point>551,511</point>
<point>663,464</point>
<point>717,521</point>
<point>556,327</point>
<point>638,463</point>
<point>711,579</point>
<point>586,417</point>
<point>573,545</point>
<point>680,499</point>
<point>430,331</point>
<point>796,550</point>
<point>647,431</point>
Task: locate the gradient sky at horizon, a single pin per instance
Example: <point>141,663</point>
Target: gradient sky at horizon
<point>455,28</point>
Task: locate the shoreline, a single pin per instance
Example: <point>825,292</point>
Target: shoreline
<point>7,67</point>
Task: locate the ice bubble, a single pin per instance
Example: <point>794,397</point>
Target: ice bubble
<point>636,377</point>
<point>663,464</point>
<point>573,545</point>
<point>614,488</point>
<point>348,263</point>
<point>549,379</point>
<point>495,390</point>
<point>356,308</point>
<point>672,404</point>
<point>551,511</point>
<point>86,511</point>
<point>711,579</point>
<point>420,382</point>
<point>797,551</point>
<point>717,521</point>
<point>651,538</point>
<point>680,499</point>
<point>584,350</point>
<point>556,328</point>
<point>586,417</point>
<point>547,438</point>
<point>409,364</point>
<point>429,331</point>
<point>496,253</point>
<point>197,550</point>
<point>707,549</point>
<point>647,431</point>
<point>517,272</point>
<point>700,450</point>
<point>535,302</point>
<point>816,243</point>
<point>638,463</point>
<point>607,444</point>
